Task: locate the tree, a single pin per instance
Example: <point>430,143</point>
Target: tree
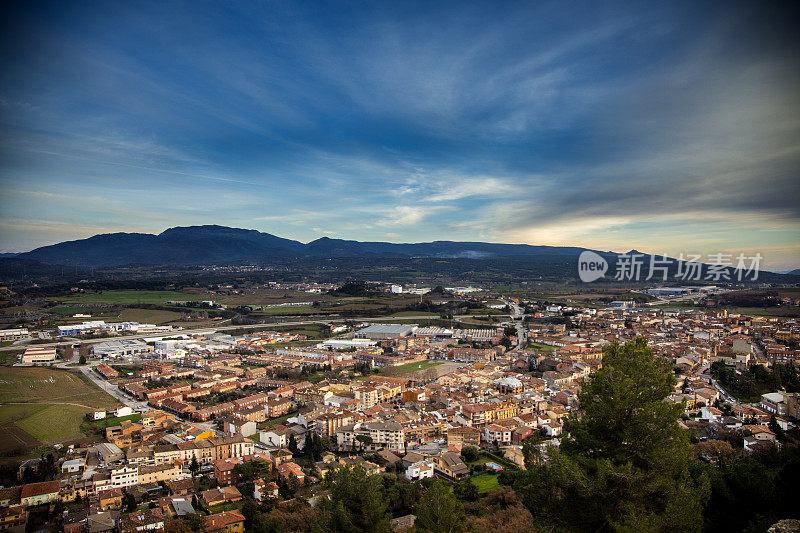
<point>292,443</point>
<point>128,503</point>
<point>357,503</point>
<point>625,463</point>
<point>365,440</point>
<point>775,428</point>
<point>194,466</point>
<point>321,445</point>
<point>250,470</point>
<point>82,360</point>
<point>469,454</point>
<point>504,513</point>
<point>308,446</point>
<point>466,490</point>
<point>754,490</point>
<point>258,521</point>
<point>439,511</point>
<point>507,477</point>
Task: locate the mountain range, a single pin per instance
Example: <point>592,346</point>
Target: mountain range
<point>212,244</point>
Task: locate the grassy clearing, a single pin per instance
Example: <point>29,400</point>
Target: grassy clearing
<point>69,310</point>
<point>275,421</point>
<point>539,347</point>
<point>486,482</point>
<point>49,385</point>
<point>54,422</point>
<point>410,367</point>
<point>128,297</point>
<point>116,420</point>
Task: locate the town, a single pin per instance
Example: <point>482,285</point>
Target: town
<point>209,424</point>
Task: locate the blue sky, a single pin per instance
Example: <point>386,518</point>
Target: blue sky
<point>665,127</point>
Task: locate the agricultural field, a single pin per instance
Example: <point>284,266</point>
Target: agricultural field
<point>53,423</point>
<point>148,316</point>
<point>116,420</point>
<point>43,405</point>
<point>46,385</point>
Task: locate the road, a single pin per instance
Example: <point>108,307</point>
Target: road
<point>113,390</point>
<point>517,316</point>
<point>663,300</point>
<point>88,371</point>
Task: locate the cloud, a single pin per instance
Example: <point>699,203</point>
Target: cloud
<point>647,126</point>
<point>406,215</point>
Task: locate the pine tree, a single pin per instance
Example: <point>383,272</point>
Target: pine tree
<point>357,503</point>
<point>625,463</point>
<point>308,446</point>
<point>439,511</point>
<point>194,466</point>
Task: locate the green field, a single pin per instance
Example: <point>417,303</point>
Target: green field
<point>11,413</point>
<point>538,347</point>
<point>116,420</point>
<point>48,404</point>
<point>410,367</point>
<point>69,310</point>
<point>486,482</point>
<point>128,297</point>
<point>52,423</point>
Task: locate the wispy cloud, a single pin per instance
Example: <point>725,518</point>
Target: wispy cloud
<point>608,125</point>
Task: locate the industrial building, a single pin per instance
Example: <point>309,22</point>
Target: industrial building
<point>120,348</point>
<point>38,356</point>
<point>386,331</point>
<point>13,334</point>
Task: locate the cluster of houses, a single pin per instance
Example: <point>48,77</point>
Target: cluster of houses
<point>221,401</point>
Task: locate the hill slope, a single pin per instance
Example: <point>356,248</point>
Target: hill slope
<point>218,244</point>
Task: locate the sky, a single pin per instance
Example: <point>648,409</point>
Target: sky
<point>666,127</point>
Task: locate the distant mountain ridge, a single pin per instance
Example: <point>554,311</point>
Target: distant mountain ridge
<point>213,244</point>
